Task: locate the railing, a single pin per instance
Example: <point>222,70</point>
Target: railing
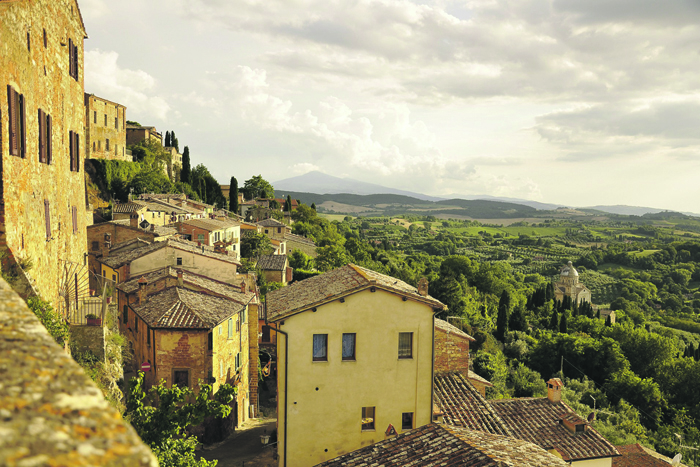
<point>77,312</point>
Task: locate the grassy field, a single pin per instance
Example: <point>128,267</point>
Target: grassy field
<point>644,253</point>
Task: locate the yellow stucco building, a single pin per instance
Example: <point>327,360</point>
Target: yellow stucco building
<point>355,356</point>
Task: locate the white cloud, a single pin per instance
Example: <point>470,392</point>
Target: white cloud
<point>136,89</point>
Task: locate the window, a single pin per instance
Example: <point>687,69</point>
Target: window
<point>46,40</point>
<point>116,123</point>
<point>181,378</point>
<point>179,261</point>
<point>230,328</point>
<point>367,418</point>
<point>320,352</point>
<point>266,334</point>
<point>95,246</point>
<point>74,139</point>
<point>238,325</point>
<point>136,325</point>
<point>125,314</point>
<point>17,119</point>
<point>279,229</point>
<point>75,219</point>
<point>29,42</point>
<point>349,346</point>
<point>45,147</point>
<point>107,145</point>
<point>221,330</point>
<point>105,119</point>
<point>73,59</point>
<point>210,341</point>
<point>407,421</point>
<point>148,336</point>
<point>200,237</point>
<point>47,219</point>
<point>405,345</point>
<point>237,361</point>
<point>95,117</point>
<point>221,368</point>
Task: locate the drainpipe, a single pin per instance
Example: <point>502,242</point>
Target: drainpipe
<point>286,372</point>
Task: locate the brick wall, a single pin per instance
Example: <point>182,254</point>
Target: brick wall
<point>41,74</point>
<point>451,352</point>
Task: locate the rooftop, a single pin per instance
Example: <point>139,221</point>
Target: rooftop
<point>271,223</point>
<point>126,257</point>
<point>433,445</point>
<point>211,224</point>
<point>450,329</point>
<point>178,307</point>
<point>636,455</point>
<point>298,238</point>
<point>319,289</point>
<point>232,291</point>
<point>272,262</point>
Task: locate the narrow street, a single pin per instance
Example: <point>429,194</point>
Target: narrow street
<point>243,447</point>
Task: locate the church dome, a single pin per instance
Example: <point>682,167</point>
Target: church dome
<point>568,271</point>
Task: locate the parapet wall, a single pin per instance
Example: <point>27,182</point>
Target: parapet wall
<point>51,413</point>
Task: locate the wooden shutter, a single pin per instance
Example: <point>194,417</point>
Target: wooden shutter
<point>47,219</point>
<point>75,62</point>
<point>75,219</point>
<point>42,137</point>
<point>49,143</point>
<point>13,118</point>
<point>23,127</point>
<point>77,151</point>
<point>71,151</point>
<point>70,57</point>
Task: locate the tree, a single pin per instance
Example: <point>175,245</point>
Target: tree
<point>331,257</point>
<point>256,187</point>
<point>185,174</point>
<point>288,204</point>
<point>162,424</point>
<point>151,180</point>
<point>502,318</point>
<point>233,195</point>
<point>563,327</point>
<point>313,206</point>
<point>255,244</point>
<point>554,321</point>
<point>517,321</point>
<point>167,139</point>
<point>173,141</point>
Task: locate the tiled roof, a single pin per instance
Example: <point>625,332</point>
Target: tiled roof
<point>474,377</point>
<point>463,406</point>
<point>336,283</point>
<point>537,420</point>
<point>272,262</point>
<point>177,307</point>
<point>125,208</point>
<point>299,239</point>
<point>211,224</point>
<point>138,241</point>
<point>232,291</point>
<point>450,329</point>
<point>159,230</point>
<point>127,257</point>
<point>162,196</point>
<point>441,445</point>
<point>636,455</point>
<point>271,223</point>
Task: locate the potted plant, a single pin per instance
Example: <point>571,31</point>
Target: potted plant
<point>93,320</point>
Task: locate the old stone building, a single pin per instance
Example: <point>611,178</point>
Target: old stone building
<point>569,286</point>
<point>190,327</point>
<point>137,133</point>
<point>43,212</point>
<point>105,129</point>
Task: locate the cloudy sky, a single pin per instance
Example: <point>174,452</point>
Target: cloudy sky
<point>578,102</point>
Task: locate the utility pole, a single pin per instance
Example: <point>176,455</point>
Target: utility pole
<point>561,369</point>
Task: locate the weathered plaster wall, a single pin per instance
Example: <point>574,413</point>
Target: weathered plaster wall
<point>203,265</point>
<point>451,352</point>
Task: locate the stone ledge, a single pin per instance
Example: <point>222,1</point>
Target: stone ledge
<point>51,413</point>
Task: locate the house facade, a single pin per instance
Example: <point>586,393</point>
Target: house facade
<point>224,233</point>
<point>354,355</point>
<point>105,129</point>
<point>43,212</point>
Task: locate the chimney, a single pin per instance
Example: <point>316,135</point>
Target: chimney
<point>554,387</point>
<point>423,287</point>
<point>134,219</point>
<point>179,278</point>
<point>142,290</point>
<point>244,287</point>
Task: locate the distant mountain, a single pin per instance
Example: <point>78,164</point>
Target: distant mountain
<point>318,182</point>
<point>525,202</point>
<point>626,210</point>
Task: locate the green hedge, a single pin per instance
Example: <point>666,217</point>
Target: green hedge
<point>114,176</point>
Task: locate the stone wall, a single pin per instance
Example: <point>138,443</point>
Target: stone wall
<point>51,411</point>
<point>89,338</point>
<point>105,121</point>
<point>451,352</point>
<point>38,69</point>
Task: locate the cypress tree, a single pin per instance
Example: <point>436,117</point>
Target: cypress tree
<point>598,314</point>
<point>186,170</point>
<point>608,321</point>
<point>517,321</point>
<point>167,139</point>
<point>233,196</point>
<point>288,204</point>
<point>549,292</point>
<point>313,206</point>
<point>554,321</point>
<point>502,318</point>
<point>563,327</point>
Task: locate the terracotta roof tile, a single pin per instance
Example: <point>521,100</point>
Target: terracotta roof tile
<point>272,262</point>
<point>127,257</point>
<point>177,307</point>
<point>465,407</point>
<point>636,455</point>
<point>338,282</point>
<point>211,224</point>
<point>538,420</point>
<point>450,329</point>
<point>272,223</point>
<point>442,445</point>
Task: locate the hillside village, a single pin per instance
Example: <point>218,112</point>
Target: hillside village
<point>201,310</point>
